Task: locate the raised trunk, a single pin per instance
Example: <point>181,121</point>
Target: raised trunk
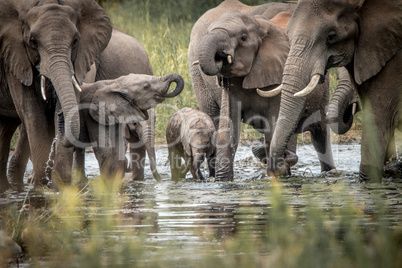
<point>211,54</point>
<point>173,78</point>
<point>61,76</point>
<point>342,105</point>
<point>224,148</point>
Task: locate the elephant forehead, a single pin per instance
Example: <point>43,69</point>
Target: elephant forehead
<point>135,79</point>
<point>228,21</point>
<point>46,12</point>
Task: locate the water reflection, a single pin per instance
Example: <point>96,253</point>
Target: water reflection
<point>188,212</point>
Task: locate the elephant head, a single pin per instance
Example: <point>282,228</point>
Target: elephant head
<point>53,39</point>
<point>198,142</point>
<point>127,98</point>
<point>360,34</point>
<point>239,45</point>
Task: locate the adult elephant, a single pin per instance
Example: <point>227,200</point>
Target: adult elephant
<point>122,56</point>
<point>40,40</point>
<point>366,37</point>
<point>247,51</point>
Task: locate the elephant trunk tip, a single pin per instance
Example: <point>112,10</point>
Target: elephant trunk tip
<point>176,78</point>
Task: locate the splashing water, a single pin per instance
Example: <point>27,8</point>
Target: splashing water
<point>50,160</point>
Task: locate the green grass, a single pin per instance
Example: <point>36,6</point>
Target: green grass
<point>80,228</point>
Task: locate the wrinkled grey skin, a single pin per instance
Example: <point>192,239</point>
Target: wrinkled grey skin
<point>189,135</point>
<point>108,106</point>
<point>344,104</point>
<point>258,47</point>
<point>56,41</point>
<point>366,37</point>
<point>123,55</point>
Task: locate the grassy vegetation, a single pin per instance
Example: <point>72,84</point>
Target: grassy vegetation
<point>80,228</point>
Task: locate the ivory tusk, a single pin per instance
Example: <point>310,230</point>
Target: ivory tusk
<point>197,62</point>
<point>270,93</point>
<point>76,85</point>
<point>354,108</point>
<point>310,87</point>
<point>43,86</point>
<point>230,59</point>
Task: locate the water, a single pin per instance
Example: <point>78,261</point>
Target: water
<point>187,211</point>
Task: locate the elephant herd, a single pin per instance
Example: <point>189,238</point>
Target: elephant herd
<point>70,80</point>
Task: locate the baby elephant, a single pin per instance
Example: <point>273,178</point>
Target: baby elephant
<point>190,135</point>
<point>108,107</point>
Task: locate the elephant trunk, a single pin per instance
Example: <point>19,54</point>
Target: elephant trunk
<point>211,53</point>
<point>170,78</point>
<point>343,104</point>
<point>61,76</point>
<point>291,108</point>
<point>224,148</point>
<point>148,135</point>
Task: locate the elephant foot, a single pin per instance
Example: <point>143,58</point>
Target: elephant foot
<point>370,173</point>
<point>258,150</point>
<point>393,169</point>
<point>278,168</point>
<point>4,186</point>
<point>291,158</point>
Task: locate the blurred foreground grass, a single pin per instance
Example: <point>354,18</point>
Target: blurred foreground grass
<point>83,228</point>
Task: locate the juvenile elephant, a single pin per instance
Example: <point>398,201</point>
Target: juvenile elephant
<point>189,135</point>
<point>122,56</point>
<point>107,106</point>
<point>366,37</point>
<point>39,40</point>
<point>246,49</point>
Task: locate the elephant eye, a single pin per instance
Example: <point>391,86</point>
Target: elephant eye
<point>75,42</point>
<point>332,37</point>
<point>33,42</point>
<point>243,37</point>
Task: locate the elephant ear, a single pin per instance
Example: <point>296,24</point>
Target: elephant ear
<point>95,32</point>
<point>380,37</point>
<point>12,48</point>
<point>109,106</point>
<point>270,60</point>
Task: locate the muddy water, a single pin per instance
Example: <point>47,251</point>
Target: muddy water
<point>186,211</point>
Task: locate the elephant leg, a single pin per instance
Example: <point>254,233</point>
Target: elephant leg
<point>63,164</point>
<point>175,164</point>
<point>39,125</point>
<point>377,140</point>
<point>137,156</point>
<point>18,161</point>
<point>79,164</point>
<point>320,136</point>
<point>259,150</point>
<point>211,164</point>
<point>391,149</point>
<point>7,129</point>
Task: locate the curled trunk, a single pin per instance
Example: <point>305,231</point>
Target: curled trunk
<point>343,104</point>
<point>170,78</point>
<point>211,54</point>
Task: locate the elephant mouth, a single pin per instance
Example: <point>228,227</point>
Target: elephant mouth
<point>159,99</point>
<point>142,113</point>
